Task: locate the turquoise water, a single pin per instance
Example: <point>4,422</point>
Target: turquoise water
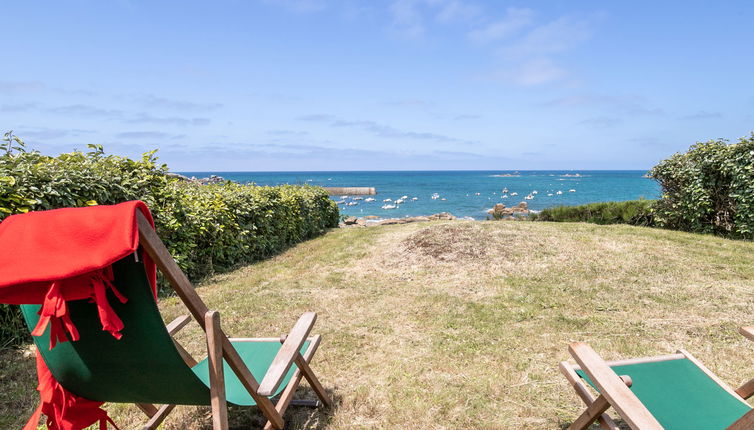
<point>459,188</point>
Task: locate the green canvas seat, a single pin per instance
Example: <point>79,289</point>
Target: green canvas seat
<point>144,366</point>
<point>672,392</point>
<point>681,395</point>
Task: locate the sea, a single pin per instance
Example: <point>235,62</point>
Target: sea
<point>465,194</point>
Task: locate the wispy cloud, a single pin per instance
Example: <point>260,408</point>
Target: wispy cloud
<point>533,72</point>
<point>623,104</point>
<point>381,130</point>
<point>153,101</point>
<point>560,35</point>
<point>515,20</point>
<point>45,133</point>
<point>144,118</point>
<point>302,6</point>
<point>407,20</point>
<point>154,135</point>
<point>19,107</point>
<point>8,87</point>
<point>86,110</point>
<point>456,10</point>
<point>601,122</point>
<point>702,115</point>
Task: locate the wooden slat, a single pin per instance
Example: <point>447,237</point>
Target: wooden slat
<point>177,324</point>
<point>625,402</point>
<point>159,417</point>
<point>746,422</point>
<point>173,328</point>
<point>152,244</point>
<point>594,410</point>
<point>216,377</point>
<point>605,421</point>
<point>313,381</point>
<point>148,409</point>
<point>748,332</point>
<point>746,390</point>
<point>630,361</point>
<point>286,397</point>
<point>287,354</point>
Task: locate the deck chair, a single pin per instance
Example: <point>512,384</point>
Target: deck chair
<point>148,367</point>
<point>670,392</point>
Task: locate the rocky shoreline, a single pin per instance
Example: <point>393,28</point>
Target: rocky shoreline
<point>499,212</point>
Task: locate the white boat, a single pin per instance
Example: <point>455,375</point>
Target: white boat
<point>571,190</point>
<point>529,197</point>
<point>386,207</point>
<point>343,197</point>
<point>352,203</point>
<point>415,198</point>
<point>514,194</point>
<point>358,198</point>
<point>369,199</point>
<point>535,192</point>
<point>549,195</point>
<point>340,202</point>
<point>476,194</point>
<point>435,196</point>
<point>404,197</point>
<point>505,196</point>
<point>559,193</point>
<point>399,201</point>
<point>388,200</point>
<point>443,199</point>
<point>505,191</point>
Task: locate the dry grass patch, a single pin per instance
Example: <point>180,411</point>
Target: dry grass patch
<point>461,324</point>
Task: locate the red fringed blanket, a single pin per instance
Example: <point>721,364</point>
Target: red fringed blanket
<point>51,257</point>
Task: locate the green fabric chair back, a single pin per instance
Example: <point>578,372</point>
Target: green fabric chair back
<point>680,395</point>
<point>143,366</point>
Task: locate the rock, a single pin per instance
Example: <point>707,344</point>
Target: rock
<point>523,206</point>
<point>177,176</point>
<point>351,220</point>
<point>442,216</point>
<point>361,222</point>
<point>371,217</point>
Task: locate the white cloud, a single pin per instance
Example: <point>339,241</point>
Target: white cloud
<point>455,10</point>
<point>558,36</point>
<point>515,20</point>
<point>535,72</point>
<point>407,19</point>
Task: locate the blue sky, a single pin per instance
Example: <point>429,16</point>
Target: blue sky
<point>378,85</point>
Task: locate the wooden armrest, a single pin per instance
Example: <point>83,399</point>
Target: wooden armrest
<point>748,332</point>
<point>613,388</point>
<point>178,324</point>
<point>287,354</point>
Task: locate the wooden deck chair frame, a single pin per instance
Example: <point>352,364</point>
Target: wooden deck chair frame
<point>614,390</point>
<point>219,347</point>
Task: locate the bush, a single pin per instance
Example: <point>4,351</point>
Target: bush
<point>709,189</point>
<point>634,212</point>
<point>207,228</point>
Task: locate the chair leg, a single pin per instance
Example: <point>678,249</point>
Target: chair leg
<point>216,377</point>
<point>286,398</point>
<point>158,417</point>
<point>590,415</point>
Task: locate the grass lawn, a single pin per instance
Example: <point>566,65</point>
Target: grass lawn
<point>462,324</point>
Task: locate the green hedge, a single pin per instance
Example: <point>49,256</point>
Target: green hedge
<point>207,228</point>
<point>634,212</point>
<point>709,189</point>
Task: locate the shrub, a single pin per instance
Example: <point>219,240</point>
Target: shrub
<point>709,189</point>
<point>634,212</point>
<point>207,228</point>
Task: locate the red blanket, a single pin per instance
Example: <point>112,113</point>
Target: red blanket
<point>50,257</point>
